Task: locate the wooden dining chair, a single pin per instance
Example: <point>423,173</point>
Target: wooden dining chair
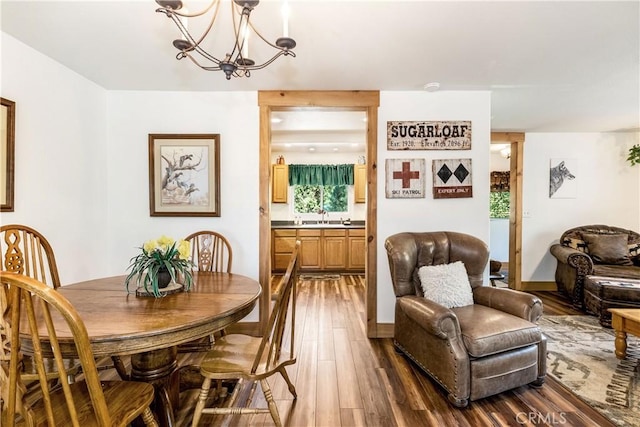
<point>28,307</point>
<point>26,251</point>
<point>248,358</point>
<point>210,251</point>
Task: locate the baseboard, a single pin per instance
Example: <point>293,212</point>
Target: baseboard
<point>539,286</point>
<point>247,328</point>
<point>384,330</point>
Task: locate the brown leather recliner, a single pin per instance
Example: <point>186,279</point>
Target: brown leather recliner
<point>472,351</point>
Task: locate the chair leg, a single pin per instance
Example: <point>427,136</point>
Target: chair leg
<point>292,388</point>
<point>273,409</point>
<point>202,398</point>
<point>149,419</point>
<point>118,364</point>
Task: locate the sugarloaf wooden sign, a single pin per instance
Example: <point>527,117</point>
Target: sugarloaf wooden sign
<point>438,135</point>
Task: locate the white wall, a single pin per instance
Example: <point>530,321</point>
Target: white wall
<point>607,192</point>
<point>60,167</point>
<point>134,115</point>
<point>470,215</point>
<point>82,171</point>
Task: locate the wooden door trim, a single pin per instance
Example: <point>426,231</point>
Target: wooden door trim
<point>367,101</point>
<point>516,142</point>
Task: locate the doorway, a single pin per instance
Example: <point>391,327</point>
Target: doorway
<point>366,101</point>
<point>515,141</point>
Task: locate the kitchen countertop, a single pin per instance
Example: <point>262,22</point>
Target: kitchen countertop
<point>309,224</point>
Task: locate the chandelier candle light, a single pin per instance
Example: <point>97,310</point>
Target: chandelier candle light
<point>236,63</point>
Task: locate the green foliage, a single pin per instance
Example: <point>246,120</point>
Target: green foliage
<point>312,198</point>
<point>499,205</point>
<point>335,198</point>
<point>634,155</point>
<point>161,254</point>
<point>306,198</point>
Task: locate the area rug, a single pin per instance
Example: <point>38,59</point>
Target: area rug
<point>581,356</point>
<point>320,276</point>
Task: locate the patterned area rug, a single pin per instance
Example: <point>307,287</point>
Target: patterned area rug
<point>581,356</point>
<point>320,276</point>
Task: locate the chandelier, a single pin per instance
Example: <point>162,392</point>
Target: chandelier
<point>235,63</point>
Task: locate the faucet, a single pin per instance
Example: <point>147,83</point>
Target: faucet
<point>322,212</point>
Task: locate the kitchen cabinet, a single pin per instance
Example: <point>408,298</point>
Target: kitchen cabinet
<point>328,249</point>
<point>334,246</point>
<point>356,249</point>
<point>283,243</point>
<point>310,249</point>
<point>279,183</point>
<point>360,183</point>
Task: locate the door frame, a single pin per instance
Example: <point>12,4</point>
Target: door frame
<point>516,143</point>
<point>366,101</point>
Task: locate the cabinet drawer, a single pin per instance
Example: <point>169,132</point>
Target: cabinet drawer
<point>335,233</point>
<point>284,244</point>
<point>281,261</point>
<point>316,232</point>
<point>356,232</point>
<point>284,232</point>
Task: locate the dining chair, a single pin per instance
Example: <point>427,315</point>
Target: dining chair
<point>210,251</point>
<point>28,308</point>
<point>26,251</point>
<point>247,358</point>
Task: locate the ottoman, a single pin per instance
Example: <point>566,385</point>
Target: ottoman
<point>602,293</point>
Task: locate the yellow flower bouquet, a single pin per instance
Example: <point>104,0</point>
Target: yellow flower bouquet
<point>161,261</point>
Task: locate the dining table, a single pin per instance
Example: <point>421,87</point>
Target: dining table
<point>121,323</point>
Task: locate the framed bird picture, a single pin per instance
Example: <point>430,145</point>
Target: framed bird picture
<point>184,174</point>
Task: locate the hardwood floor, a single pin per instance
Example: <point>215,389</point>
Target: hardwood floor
<point>345,379</point>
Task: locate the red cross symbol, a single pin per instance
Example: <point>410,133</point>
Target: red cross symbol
<point>406,175</point>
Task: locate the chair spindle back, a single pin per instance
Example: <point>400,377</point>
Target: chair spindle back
<point>285,307</point>
<point>25,251</point>
<point>28,306</point>
<point>210,251</point>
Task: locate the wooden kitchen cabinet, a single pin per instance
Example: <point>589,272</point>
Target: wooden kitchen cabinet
<point>283,243</point>
<point>321,249</point>
<point>360,183</point>
<point>310,249</point>
<point>279,183</point>
<point>356,249</point>
<point>334,245</point>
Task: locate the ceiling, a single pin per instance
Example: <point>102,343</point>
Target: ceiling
<point>550,66</point>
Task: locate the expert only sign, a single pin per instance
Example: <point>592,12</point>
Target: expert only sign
<point>435,135</point>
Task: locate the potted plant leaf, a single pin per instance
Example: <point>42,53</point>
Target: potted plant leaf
<point>161,261</point>
<point>634,155</point>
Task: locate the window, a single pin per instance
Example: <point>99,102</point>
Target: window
<point>499,204</point>
<point>312,198</point>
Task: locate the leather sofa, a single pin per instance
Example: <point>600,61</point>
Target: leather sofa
<point>472,351</point>
<point>594,250</point>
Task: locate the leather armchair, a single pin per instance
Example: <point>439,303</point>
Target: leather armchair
<point>473,351</point>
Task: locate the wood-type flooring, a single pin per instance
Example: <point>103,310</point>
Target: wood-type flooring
<point>345,379</point>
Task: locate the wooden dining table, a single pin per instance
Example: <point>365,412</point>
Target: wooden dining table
<point>119,323</point>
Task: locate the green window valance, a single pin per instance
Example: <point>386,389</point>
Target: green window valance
<point>321,174</point>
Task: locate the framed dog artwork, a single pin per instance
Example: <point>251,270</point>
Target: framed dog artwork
<point>562,178</point>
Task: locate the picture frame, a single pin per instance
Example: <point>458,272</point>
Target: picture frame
<point>7,153</point>
<point>184,174</point>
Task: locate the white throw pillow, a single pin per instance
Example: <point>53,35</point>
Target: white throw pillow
<point>446,284</point>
